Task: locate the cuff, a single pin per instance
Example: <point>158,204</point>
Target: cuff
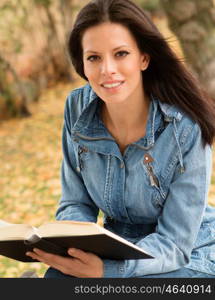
<point>114,268</point>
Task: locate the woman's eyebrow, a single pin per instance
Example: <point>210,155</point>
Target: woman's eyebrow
<point>91,51</point>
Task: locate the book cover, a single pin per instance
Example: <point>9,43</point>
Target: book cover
<point>57,237</point>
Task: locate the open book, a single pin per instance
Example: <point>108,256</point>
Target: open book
<point>56,237</point>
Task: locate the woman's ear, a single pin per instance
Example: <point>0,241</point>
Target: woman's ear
<point>145,61</point>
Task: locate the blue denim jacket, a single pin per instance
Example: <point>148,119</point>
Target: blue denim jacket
<point>154,194</point>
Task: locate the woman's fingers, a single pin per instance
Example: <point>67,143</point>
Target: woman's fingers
<point>82,255</point>
<point>80,264</point>
<point>55,261</point>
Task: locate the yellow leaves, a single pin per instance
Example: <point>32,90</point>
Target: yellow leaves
<point>11,272</point>
<point>30,155</point>
<point>14,269</point>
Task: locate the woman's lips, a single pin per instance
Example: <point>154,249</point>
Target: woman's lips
<point>112,87</point>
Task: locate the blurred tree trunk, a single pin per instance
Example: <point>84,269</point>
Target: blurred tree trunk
<point>193,22</point>
<point>7,95</point>
<point>66,9</point>
<point>55,47</point>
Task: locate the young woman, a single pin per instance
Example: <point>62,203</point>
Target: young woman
<point>137,145</point>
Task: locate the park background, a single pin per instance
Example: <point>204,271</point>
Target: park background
<point>35,78</point>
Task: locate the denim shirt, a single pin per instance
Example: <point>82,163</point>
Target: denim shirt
<point>154,194</point>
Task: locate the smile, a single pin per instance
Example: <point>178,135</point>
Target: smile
<point>112,86</point>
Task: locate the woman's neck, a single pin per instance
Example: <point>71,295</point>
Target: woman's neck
<point>126,121</point>
<point>127,115</point>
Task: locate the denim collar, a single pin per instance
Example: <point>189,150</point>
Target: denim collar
<point>170,112</point>
<point>89,126</point>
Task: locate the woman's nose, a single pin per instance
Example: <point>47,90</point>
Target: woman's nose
<point>108,66</point>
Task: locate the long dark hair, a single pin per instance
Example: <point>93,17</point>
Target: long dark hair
<point>166,76</point>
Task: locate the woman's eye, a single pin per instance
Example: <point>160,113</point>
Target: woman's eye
<point>122,53</point>
<point>92,58</point>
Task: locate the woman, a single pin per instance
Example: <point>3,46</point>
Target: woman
<point>137,145</point>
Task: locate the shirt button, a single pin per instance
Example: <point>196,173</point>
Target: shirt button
<point>122,165</point>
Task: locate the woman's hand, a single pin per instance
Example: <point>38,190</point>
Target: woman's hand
<point>80,264</point>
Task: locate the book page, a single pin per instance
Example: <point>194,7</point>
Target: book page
<point>65,228</point>
<point>14,231</point>
<point>3,223</point>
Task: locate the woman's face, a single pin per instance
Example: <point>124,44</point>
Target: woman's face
<point>113,62</point>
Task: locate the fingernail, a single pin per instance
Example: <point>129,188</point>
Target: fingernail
<point>71,250</point>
